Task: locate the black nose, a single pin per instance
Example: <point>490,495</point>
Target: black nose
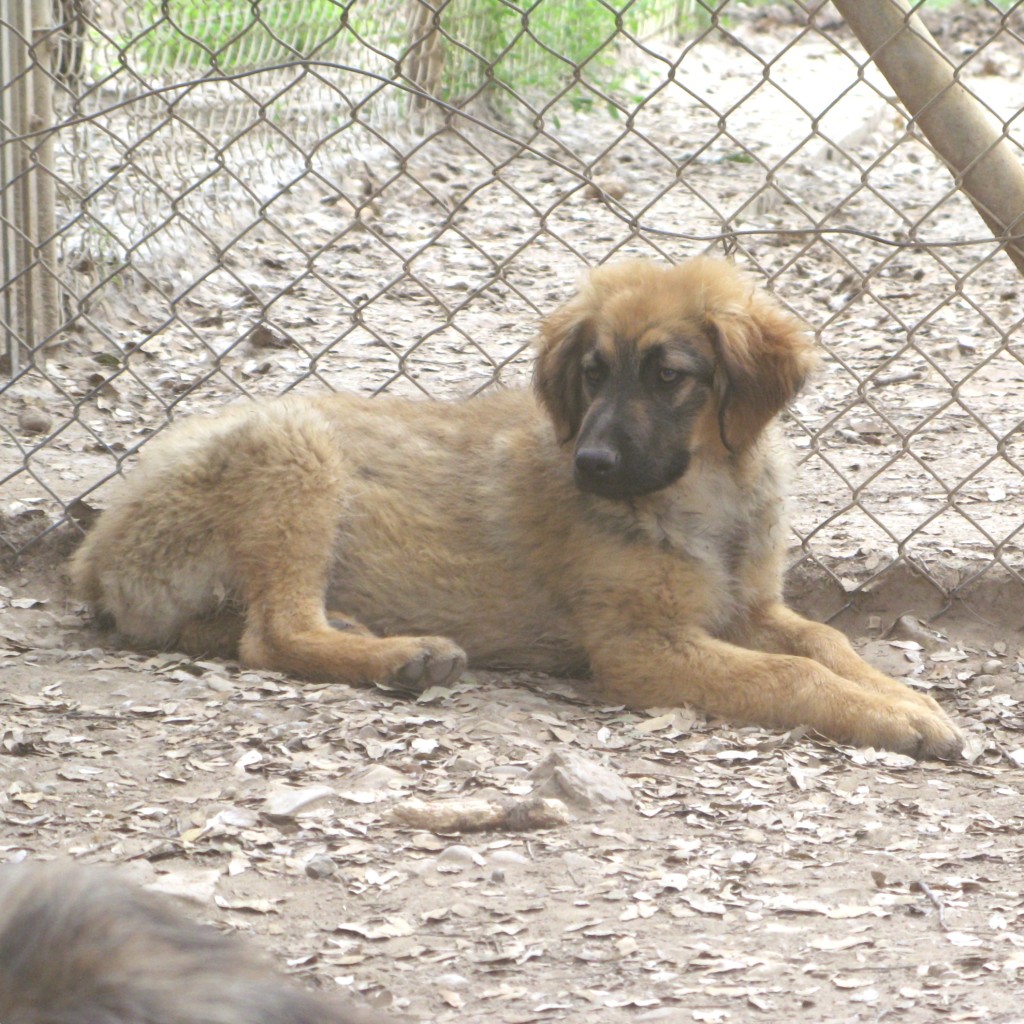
<point>596,462</point>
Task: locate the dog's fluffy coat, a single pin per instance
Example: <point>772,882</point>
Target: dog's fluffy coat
<point>80,946</point>
<point>634,533</point>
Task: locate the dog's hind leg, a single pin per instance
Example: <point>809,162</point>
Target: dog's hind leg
<point>288,629</point>
<point>296,636</point>
<point>280,540</point>
<point>219,635</point>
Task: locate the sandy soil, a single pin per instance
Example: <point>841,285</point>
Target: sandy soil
<point>744,876</point>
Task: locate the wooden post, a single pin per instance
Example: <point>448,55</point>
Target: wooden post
<point>30,303</point>
<point>424,56</point>
<point>971,142</point>
<point>44,174</point>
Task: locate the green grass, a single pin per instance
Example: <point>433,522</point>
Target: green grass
<point>228,35</point>
<point>535,46</point>
<point>530,46</point>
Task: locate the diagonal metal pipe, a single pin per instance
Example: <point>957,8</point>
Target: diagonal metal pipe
<point>971,142</point>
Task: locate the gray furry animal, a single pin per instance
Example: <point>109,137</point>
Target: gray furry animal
<point>80,946</point>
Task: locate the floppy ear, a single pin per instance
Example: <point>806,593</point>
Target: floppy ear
<point>762,357</point>
<point>557,375</point>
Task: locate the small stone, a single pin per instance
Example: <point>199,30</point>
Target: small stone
<point>321,867</point>
<point>462,855</point>
<point>451,980</point>
<point>506,857</point>
<point>264,336</point>
<point>906,627</point>
<point>34,421</point>
<point>580,782</point>
<point>219,684</point>
<point>606,188</point>
<point>286,803</point>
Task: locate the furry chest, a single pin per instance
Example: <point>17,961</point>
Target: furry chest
<point>729,538</point>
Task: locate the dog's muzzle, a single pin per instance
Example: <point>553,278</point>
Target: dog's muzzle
<point>599,470</point>
<point>596,464</point>
<point>604,470</point>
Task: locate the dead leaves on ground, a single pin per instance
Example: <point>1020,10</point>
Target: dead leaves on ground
<point>694,868</point>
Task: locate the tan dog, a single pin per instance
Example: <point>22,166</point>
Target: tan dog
<point>79,946</point>
<point>638,539</point>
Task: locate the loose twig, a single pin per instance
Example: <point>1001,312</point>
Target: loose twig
<point>933,900</point>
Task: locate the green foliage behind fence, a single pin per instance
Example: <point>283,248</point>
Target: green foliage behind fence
<point>526,47</point>
<point>531,49</point>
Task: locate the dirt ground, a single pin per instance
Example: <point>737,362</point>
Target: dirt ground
<point>707,873</point>
<point>742,875</point>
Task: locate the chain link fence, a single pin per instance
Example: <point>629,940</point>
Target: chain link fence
<point>203,202</point>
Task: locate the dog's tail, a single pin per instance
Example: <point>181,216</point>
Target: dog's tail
<point>79,946</point>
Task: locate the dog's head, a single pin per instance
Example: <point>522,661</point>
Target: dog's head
<point>647,365</point>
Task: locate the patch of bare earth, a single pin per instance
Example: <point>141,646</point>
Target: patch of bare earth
<point>704,872</point>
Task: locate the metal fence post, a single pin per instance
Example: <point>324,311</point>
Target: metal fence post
<point>954,121</point>
<point>15,30</point>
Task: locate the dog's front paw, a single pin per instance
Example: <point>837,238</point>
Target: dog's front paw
<point>436,662</point>
<point>897,689</point>
<point>914,728</point>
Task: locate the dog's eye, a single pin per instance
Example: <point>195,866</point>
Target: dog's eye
<point>593,373</point>
<point>666,375</point>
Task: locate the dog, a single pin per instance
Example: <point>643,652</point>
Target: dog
<point>623,521</point>
<point>80,946</point>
